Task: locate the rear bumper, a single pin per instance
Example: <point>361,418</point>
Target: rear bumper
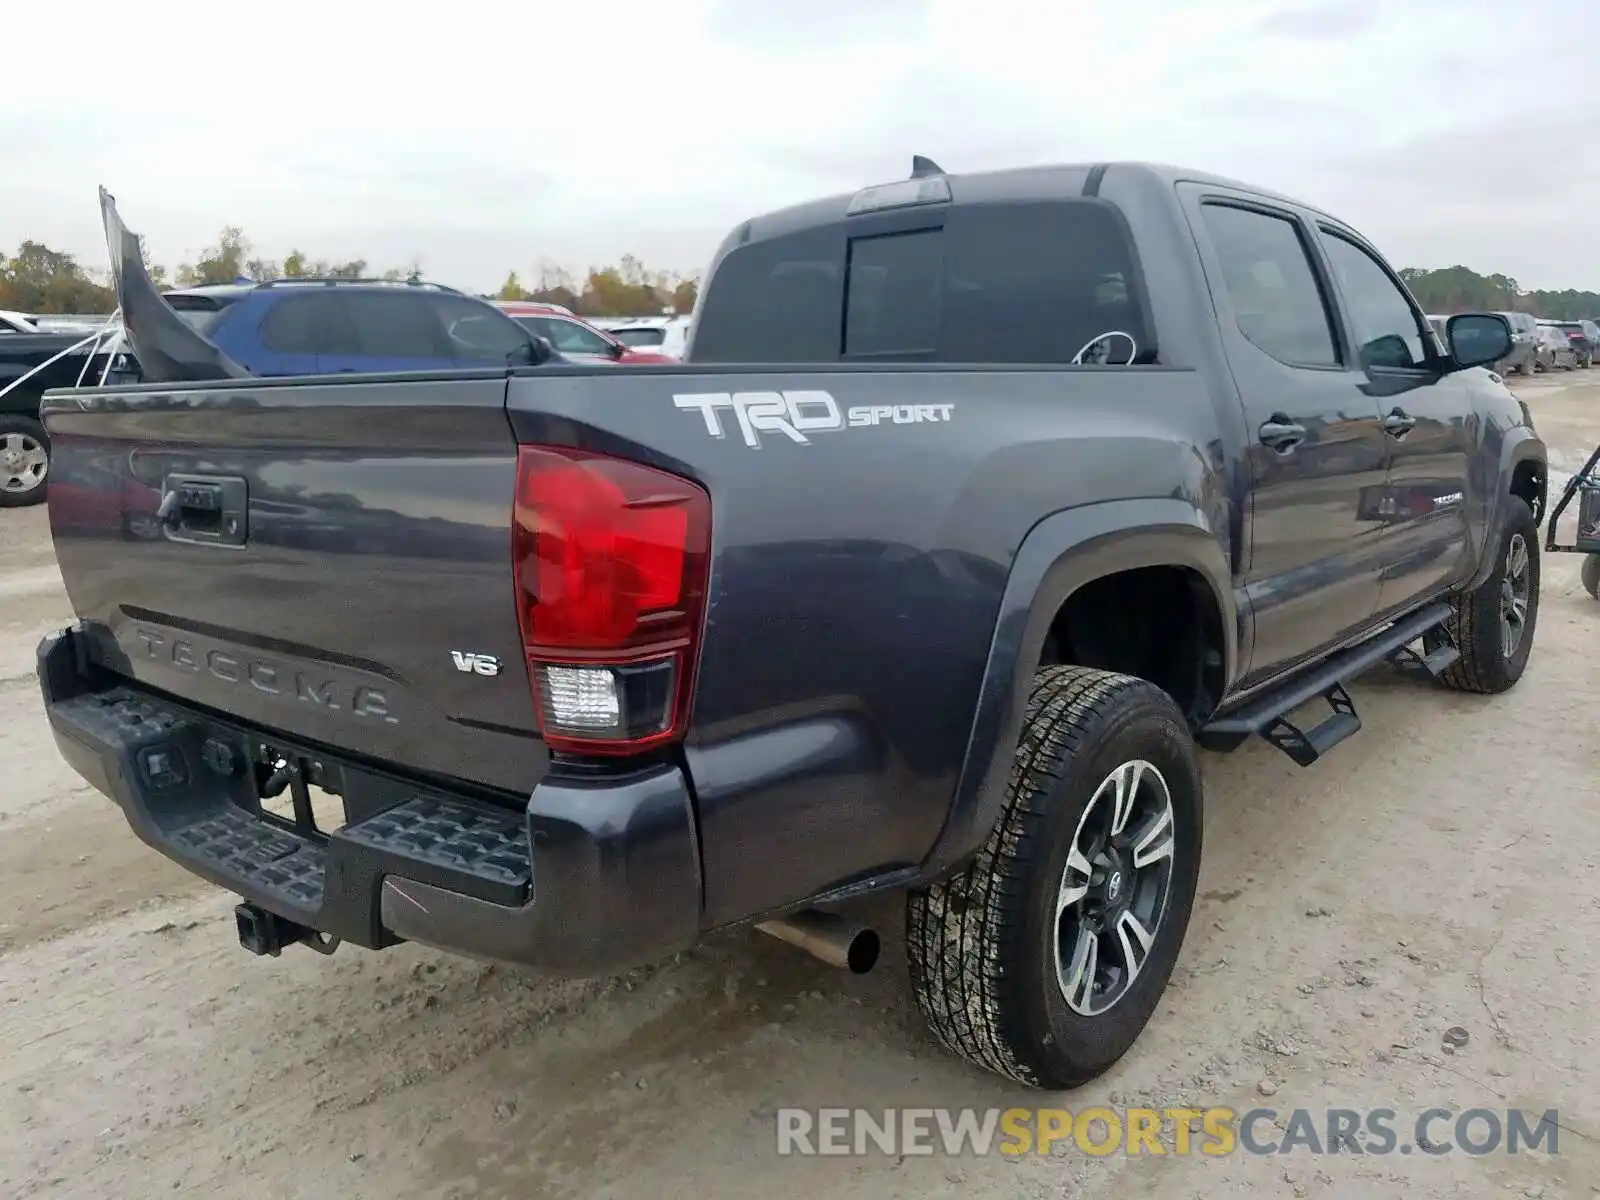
<point>592,876</point>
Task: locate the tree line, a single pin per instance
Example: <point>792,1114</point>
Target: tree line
<point>38,279</point>
<point>1458,289</point>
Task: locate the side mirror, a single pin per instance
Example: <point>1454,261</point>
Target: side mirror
<point>618,349</point>
<point>1477,339</point>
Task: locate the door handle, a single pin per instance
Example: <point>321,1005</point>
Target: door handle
<point>1399,423</point>
<point>208,509</point>
<point>1282,434</point>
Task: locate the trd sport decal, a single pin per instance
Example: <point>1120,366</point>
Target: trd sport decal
<point>797,414</point>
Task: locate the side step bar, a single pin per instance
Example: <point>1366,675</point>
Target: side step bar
<point>1268,715</point>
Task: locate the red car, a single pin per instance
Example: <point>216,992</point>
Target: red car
<point>574,337</point>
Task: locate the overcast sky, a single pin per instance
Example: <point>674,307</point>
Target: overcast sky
<point>482,136</point>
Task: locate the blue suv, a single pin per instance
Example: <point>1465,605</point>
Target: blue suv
<point>322,326</point>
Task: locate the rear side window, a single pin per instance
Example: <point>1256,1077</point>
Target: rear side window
<point>386,325</point>
<point>1040,283</point>
<point>479,332</point>
<point>1016,283</point>
<point>1276,300</point>
<point>291,326</point>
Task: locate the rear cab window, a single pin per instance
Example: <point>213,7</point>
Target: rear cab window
<point>1015,282</point>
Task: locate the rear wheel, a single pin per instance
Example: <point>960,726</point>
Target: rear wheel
<point>24,460</point>
<point>1591,574</point>
<point>1044,959</point>
<point>1494,624</point>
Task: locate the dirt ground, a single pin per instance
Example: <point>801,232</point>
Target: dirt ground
<point>1442,869</point>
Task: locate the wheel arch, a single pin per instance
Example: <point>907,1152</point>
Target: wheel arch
<point>1060,556</point>
<point>1521,472</point>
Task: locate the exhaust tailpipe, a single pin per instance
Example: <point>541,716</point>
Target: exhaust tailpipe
<point>829,937</point>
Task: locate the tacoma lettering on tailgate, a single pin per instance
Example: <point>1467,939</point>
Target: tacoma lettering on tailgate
<point>267,677</point>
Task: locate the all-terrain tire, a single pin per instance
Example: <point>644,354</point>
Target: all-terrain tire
<point>1591,574</point>
<point>1475,623</point>
<point>21,431</point>
<point>982,945</point>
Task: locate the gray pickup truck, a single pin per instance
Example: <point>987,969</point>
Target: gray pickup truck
<point>981,502</point>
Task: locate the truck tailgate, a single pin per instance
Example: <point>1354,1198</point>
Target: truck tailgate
<point>330,561</point>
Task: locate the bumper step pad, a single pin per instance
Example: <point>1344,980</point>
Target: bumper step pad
<point>255,852</point>
<point>330,881</point>
<point>488,846</point>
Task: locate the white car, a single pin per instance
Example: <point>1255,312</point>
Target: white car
<point>15,322</point>
<point>664,335</point>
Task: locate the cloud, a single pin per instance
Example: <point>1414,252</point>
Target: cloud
<point>1329,21</point>
<point>580,133</point>
<point>762,25</point>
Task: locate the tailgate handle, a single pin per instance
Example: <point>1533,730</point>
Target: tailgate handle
<point>204,509</point>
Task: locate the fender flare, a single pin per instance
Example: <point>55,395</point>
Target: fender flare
<point>1059,555</point>
<point>1521,445</point>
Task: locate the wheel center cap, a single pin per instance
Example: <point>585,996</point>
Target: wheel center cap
<point>1114,887</point>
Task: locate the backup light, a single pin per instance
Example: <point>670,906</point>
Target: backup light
<point>581,697</point>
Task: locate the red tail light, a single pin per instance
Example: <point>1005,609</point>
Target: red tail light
<point>610,561</point>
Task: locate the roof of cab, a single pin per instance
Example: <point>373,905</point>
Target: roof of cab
<point>1011,185</point>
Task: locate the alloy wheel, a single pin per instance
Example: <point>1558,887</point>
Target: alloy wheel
<point>1114,889</point>
<point>1514,588</point>
<point>23,463</point>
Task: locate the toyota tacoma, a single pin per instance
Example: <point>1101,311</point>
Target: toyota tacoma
<point>980,503</point>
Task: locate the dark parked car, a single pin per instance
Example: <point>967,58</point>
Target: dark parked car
<point>1555,350</point>
<point>1577,339</point>
<point>1524,342</point>
<point>25,351</point>
<point>981,502</point>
